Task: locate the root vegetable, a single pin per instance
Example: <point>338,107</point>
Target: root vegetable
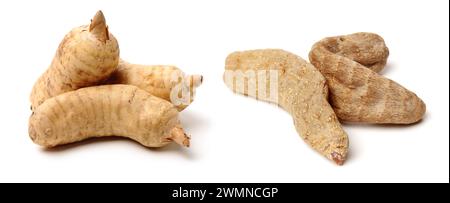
<point>357,93</point>
<point>368,49</point>
<point>86,56</point>
<point>109,110</point>
<point>302,92</point>
<point>166,82</point>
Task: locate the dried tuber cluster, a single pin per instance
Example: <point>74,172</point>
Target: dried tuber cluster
<point>342,84</point>
<point>357,92</point>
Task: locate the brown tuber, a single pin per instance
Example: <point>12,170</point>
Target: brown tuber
<point>357,92</point>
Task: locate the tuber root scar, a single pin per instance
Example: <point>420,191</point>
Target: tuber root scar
<point>178,136</point>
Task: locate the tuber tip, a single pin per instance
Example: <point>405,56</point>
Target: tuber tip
<point>98,27</point>
<point>338,158</point>
<point>197,80</point>
<point>178,136</point>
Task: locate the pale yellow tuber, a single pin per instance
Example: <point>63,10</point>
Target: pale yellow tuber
<point>109,110</point>
<point>166,82</point>
<point>86,56</point>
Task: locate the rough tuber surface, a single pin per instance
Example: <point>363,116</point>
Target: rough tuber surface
<point>357,92</point>
<point>302,91</point>
<point>368,49</point>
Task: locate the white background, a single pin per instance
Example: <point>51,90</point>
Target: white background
<point>234,139</point>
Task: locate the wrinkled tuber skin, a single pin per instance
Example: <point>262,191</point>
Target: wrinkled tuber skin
<point>357,93</point>
<point>368,49</point>
<point>302,92</point>
<point>166,82</point>
<point>86,56</point>
<point>108,110</point>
